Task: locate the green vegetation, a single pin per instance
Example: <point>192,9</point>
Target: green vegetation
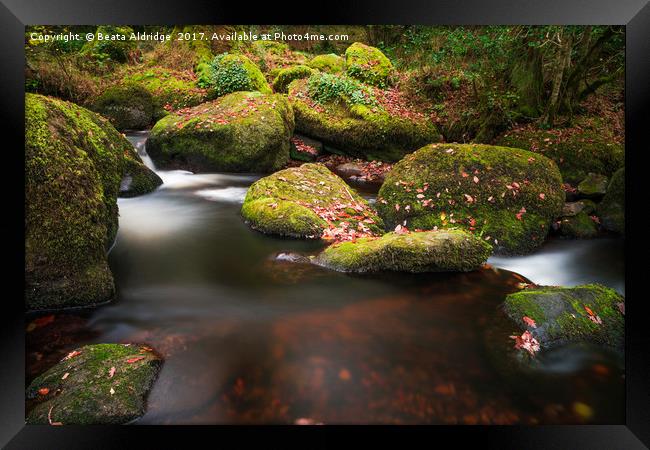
<point>233,72</point>
<point>368,64</point>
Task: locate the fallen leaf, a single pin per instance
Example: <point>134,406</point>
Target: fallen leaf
<point>530,322</point>
<point>132,360</point>
<point>65,375</point>
<point>112,391</point>
<point>43,391</point>
<point>72,354</point>
<point>111,372</point>
<point>527,342</point>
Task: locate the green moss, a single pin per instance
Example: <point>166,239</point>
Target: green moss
<point>579,226</point>
<point>575,153</point>
<point>561,316</point>
<point>594,185</point>
<point>83,396</point>
<point>167,87</point>
<point>73,168</point>
<point>330,63</point>
<point>286,76</point>
<point>137,178</point>
<point>429,251</point>
<point>128,106</point>
<point>436,187</point>
<point>368,64</point>
<point>355,129</point>
<point>612,208</point>
<point>235,72</point>
<point>290,203</point>
<point>239,132</point>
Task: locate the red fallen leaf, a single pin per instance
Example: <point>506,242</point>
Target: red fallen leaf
<point>464,174</point>
<point>530,322</point>
<point>521,212</point>
<point>542,196</point>
<point>132,360</point>
<point>621,307</point>
<point>475,179</point>
<point>589,311</point>
<point>527,342</point>
<point>111,372</point>
<point>43,391</point>
<point>72,355</point>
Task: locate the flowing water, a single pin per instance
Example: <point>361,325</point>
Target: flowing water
<point>248,338</point>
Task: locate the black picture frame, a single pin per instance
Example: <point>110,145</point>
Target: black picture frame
<point>15,14</point>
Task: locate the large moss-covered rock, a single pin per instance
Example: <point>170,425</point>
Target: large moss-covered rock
<point>129,106</point>
<point>330,63</point>
<point>95,384</point>
<point>231,72</point>
<point>368,64</point>
<point>308,202</point>
<point>426,251</point>
<point>344,115</point>
<point>576,152</point>
<point>137,179</point>
<point>612,208</point>
<point>239,132</point>
<point>170,89</point>
<point>587,313</point>
<point>73,169</point>
<point>507,196</point>
<point>286,76</point>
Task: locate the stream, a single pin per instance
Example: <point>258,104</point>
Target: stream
<point>248,338</point>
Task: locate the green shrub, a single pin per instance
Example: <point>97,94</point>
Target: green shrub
<point>231,73</point>
<point>325,87</point>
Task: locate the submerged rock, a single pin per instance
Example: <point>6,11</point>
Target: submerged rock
<point>129,106</point>
<point>345,114</point>
<point>74,164</point>
<point>588,313</point>
<point>239,132</point>
<point>427,251</point>
<point>368,64</point>
<point>95,384</point>
<point>612,208</point>
<point>308,202</point>
<point>507,196</point>
<point>593,186</point>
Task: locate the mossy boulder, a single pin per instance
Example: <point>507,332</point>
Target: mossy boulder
<point>426,251</point>
<point>508,197</point>
<point>306,202</point>
<point>231,72</point>
<point>579,226</point>
<point>170,89</point>
<point>330,63</point>
<point>573,208</point>
<point>129,106</point>
<point>95,384</point>
<point>593,186</point>
<point>368,64</point>
<point>588,313</point>
<point>611,209</point>
<point>576,152</point>
<point>73,168</point>
<point>286,76</point>
<point>137,179</point>
<point>239,132</point>
<point>343,115</point>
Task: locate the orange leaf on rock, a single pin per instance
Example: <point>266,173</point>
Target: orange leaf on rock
<point>132,360</point>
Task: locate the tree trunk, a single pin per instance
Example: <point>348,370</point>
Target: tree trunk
<point>563,62</point>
